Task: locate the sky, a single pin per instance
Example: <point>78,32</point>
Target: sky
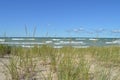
<point>60,18</point>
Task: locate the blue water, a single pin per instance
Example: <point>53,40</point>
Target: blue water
<point>59,42</point>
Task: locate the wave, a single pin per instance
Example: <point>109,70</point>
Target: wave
<point>113,42</point>
<point>19,39</point>
<point>64,42</point>
<point>116,41</point>
<point>48,42</point>
<point>80,39</point>
<point>30,39</point>
<point>76,42</point>
<point>18,43</point>
<point>92,39</point>
<point>2,40</point>
<point>56,39</point>
<point>108,42</point>
<point>69,42</point>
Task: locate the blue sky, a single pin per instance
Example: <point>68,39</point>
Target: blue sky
<point>61,18</point>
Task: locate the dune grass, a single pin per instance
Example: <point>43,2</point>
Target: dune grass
<point>4,50</point>
<point>67,63</point>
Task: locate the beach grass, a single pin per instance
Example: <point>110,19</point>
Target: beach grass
<point>67,63</point>
<point>4,50</point>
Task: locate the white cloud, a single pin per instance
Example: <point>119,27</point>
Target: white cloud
<point>116,31</point>
<point>81,29</point>
<point>78,29</point>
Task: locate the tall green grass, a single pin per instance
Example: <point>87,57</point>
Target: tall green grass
<point>4,50</point>
<point>67,63</point>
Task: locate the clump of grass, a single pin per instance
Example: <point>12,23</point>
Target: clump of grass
<point>107,55</point>
<point>4,50</point>
<point>21,65</point>
<point>69,69</point>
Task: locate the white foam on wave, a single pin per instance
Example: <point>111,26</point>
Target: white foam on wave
<point>18,43</point>
<point>116,41</point>
<point>109,42</point>
<point>72,42</point>
<point>113,42</point>
<point>64,42</point>
<point>19,39</point>
<point>30,39</point>
<point>2,40</point>
<point>69,42</point>
<point>48,42</point>
<point>55,39</point>
<point>92,39</point>
<point>76,42</point>
<point>80,39</point>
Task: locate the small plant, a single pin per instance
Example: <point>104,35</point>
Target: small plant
<point>4,50</point>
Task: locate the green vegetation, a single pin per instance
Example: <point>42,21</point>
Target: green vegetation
<point>4,50</point>
<point>67,63</point>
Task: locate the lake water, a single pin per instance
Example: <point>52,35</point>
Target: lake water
<point>59,42</point>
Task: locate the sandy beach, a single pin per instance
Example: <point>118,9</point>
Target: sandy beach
<point>44,68</point>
